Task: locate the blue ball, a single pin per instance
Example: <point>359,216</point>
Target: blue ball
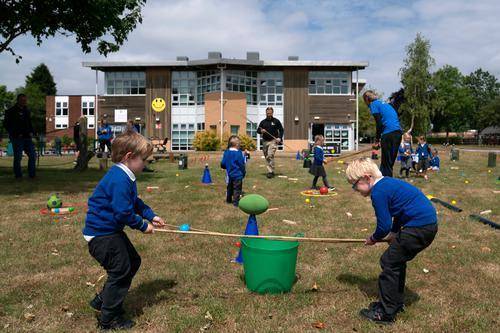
<point>56,210</point>
<point>184,227</point>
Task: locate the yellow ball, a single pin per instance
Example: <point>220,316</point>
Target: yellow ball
<point>176,175</point>
<point>489,171</point>
<point>453,202</point>
<point>466,182</point>
<point>308,200</point>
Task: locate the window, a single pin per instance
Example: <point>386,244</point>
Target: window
<point>125,83</point>
<point>235,129</point>
<point>335,133</point>
<point>271,88</point>
<point>243,81</point>
<point>329,83</point>
<point>182,136</point>
<point>61,118</point>
<point>200,126</point>
<point>183,88</point>
<point>88,110</point>
<point>252,130</point>
<point>207,81</point>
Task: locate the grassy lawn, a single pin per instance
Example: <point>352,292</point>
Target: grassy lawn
<point>47,274</point>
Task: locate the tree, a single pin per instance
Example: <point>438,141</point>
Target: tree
<point>451,100</point>
<point>43,78</point>
<point>489,114</point>
<point>6,101</point>
<point>106,22</point>
<point>416,79</point>
<point>367,127</point>
<point>484,88</point>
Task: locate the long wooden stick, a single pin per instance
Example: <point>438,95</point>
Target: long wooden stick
<point>283,238</point>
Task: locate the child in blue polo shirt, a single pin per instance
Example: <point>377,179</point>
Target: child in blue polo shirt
<point>406,219</point>
<point>317,168</point>
<point>233,161</point>
<point>435,161</point>
<point>405,151</point>
<point>424,156</point>
<point>114,205</point>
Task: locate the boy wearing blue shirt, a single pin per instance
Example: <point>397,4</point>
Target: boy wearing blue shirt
<point>435,161</point>
<point>114,205</point>
<point>104,135</point>
<point>317,169</point>
<point>388,130</point>
<point>424,155</point>
<point>406,219</point>
<point>233,161</point>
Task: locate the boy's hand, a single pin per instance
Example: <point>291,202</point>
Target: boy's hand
<point>150,229</point>
<point>369,241</point>
<point>158,222</point>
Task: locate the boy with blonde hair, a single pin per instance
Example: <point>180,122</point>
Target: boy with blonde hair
<point>406,219</point>
<point>114,205</point>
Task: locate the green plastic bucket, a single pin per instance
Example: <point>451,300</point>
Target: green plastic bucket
<point>269,264</point>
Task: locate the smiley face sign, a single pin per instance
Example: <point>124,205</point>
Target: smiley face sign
<point>158,104</point>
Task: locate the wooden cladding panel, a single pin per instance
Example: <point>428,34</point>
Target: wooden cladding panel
<point>158,85</point>
<point>296,103</point>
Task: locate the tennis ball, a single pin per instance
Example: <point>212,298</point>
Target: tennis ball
<point>308,200</point>
<point>466,182</point>
<point>453,202</point>
<point>176,175</point>
<point>489,171</point>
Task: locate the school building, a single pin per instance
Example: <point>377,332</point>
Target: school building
<point>174,99</point>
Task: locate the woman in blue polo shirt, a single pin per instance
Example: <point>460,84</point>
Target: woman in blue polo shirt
<point>388,130</point>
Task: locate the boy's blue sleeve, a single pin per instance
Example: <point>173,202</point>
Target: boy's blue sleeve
<point>123,207</point>
<point>401,149</point>
<point>144,210</point>
<point>241,161</point>
<point>223,163</point>
<point>384,219</point>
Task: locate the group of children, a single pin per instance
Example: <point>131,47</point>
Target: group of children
<point>422,160</point>
<point>405,219</point>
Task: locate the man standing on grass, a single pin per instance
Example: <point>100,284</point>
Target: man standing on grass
<point>271,131</point>
<point>18,124</point>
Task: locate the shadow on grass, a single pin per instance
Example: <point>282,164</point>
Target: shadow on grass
<point>148,294</point>
<point>369,286</point>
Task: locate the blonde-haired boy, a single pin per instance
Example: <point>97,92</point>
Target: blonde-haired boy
<point>114,205</point>
<point>406,219</point>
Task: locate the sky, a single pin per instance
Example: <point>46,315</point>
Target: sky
<point>462,33</point>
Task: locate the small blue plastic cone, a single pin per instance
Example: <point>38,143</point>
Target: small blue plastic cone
<point>206,179</point>
<point>298,157</point>
<point>251,229</point>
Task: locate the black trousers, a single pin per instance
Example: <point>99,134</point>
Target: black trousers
<point>118,257</point>
<point>234,189</point>
<point>389,143</point>
<point>391,282</point>
<point>315,181</point>
<point>105,143</point>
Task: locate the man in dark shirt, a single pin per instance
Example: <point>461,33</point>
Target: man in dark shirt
<point>271,132</point>
<point>18,124</point>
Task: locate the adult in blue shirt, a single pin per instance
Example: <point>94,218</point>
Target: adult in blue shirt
<point>104,135</point>
<point>388,130</point>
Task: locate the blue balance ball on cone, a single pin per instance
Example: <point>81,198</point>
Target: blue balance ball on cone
<point>206,179</point>
<point>298,156</point>
<point>252,204</point>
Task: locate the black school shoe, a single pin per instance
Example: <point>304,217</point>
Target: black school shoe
<point>377,315</point>
<point>374,305</point>
<point>96,303</point>
<point>118,323</point>
<point>270,175</point>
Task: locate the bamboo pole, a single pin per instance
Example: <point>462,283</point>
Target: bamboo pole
<point>282,238</point>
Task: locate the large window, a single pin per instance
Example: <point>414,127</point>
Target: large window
<point>329,83</point>
<point>207,81</point>
<point>271,88</point>
<point>243,81</point>
<point>88,110</point>
<point>125,83</point>
<point>182,136</point>
<point>337,133</point>
<point>252,130</point>
<point>61,118</point>
<point>183,88</point>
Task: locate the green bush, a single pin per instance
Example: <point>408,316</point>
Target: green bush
<point>206,141</point>
<point>66,140</point>
<point>247,142</point>
<point>452,140</point>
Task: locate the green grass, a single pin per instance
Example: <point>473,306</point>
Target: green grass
<point>183,277</point>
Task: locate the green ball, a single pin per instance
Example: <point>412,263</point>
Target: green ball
<point>253,204</point>
<point>54,201</point>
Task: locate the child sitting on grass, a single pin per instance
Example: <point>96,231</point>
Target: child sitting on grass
<point>405,152</point>
<point>406,219</point>
<point>233,161</point>
<point>424,155</point>
<point>435,161</point>
<point>317,169</point>
<point>114,205</point>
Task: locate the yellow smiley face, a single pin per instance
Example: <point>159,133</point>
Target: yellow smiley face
<point>158,104</point>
